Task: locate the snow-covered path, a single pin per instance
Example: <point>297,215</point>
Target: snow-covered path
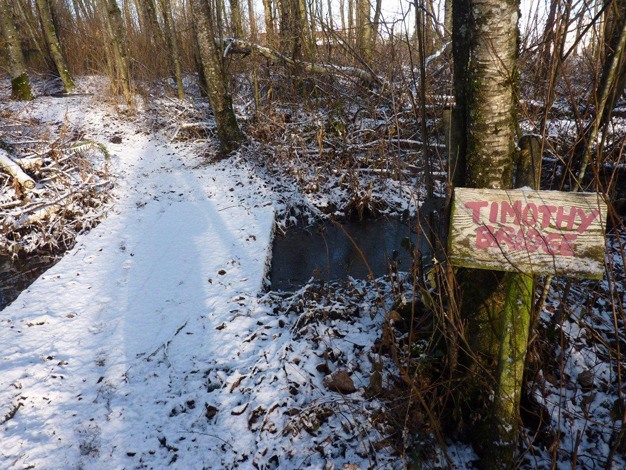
<point>125,323</point>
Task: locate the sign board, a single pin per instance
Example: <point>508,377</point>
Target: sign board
<point>535,232</point>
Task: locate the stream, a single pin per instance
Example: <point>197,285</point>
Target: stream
<point>331,251</point>
<point>19,275</point>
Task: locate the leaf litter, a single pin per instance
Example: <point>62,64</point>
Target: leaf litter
<point>151,344</point>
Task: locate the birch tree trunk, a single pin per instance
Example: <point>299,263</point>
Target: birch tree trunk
<point>485,80</point>
<point>342,12</point>
<point>172,46</point>
<point>54,47</point>
<point>20,83</point>
<point>364,30</point>
<point>117,49</point>
<point>228,132</point>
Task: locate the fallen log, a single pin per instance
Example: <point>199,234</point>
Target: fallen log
<point>37,216</point>
<point>233,45</point>
<point>8,165</point>
<point>29,163</point>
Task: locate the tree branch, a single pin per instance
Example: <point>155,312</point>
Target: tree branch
<point>233,45</point>
<point>8,165</point>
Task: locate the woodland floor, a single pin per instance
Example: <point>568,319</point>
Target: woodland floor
<point>153,342</point>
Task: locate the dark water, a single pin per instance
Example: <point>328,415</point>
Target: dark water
<point>326,252</point>
<point>17,276</point>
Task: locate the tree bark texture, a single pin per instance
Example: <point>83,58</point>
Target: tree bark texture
<point>152,23</point>
<point>613,78</point>
<point>364,30</point>
<point>118,52</point>
<point>269,21</point>
<point>228,132</point>
<point>610,88</point>
<point>252,21</point>
<point>10,166</point>
<point>294,29</point>
<point>54,46</point>
<point>485,48</point>
<point>173,48</point>
<point>235,18</point>
<point>20,83</point>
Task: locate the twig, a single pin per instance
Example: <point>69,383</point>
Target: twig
<point>11,413</point>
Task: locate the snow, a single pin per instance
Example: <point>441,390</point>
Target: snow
<point>151,343</point>
<point>84,347</point>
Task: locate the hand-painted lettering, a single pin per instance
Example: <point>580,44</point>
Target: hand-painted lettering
<point>476,206</point>
<point>508,239</point>
<point>539,216</point>
<point>586,220</point>
<point>510,210</point>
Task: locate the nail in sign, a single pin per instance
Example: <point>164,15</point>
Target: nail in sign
<point>536,232</point>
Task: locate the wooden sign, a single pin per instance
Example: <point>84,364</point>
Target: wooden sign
<point>535,232</point>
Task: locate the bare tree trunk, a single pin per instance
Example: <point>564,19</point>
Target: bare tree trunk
<point>291,32</point>
<point>331,20</point>
<point>364,30</point>
<point>307,24</point>
<point>269,21</point>
<point>342,12</point>
<point>611,86</point>
<point>235,19</point>
<point>252,21</point>
<point>24,14</point>
<point>447,21</point>
<point>154,28</point>
<point>351,32</point>
<point>228,132</point>
<point>485,52</point>
<point>612,82</point>
<point>20,83</point>
<point>117,49</point>
<point>172,46</point>
<point>376,22</point>
<point>54,47</point>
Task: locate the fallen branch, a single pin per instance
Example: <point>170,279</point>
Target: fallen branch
<point>29,163</point>
<point>33,215</point>
<point>11,413</point>
<point>239,45</point>
<point>8,165</point>
<point>36,215</point>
